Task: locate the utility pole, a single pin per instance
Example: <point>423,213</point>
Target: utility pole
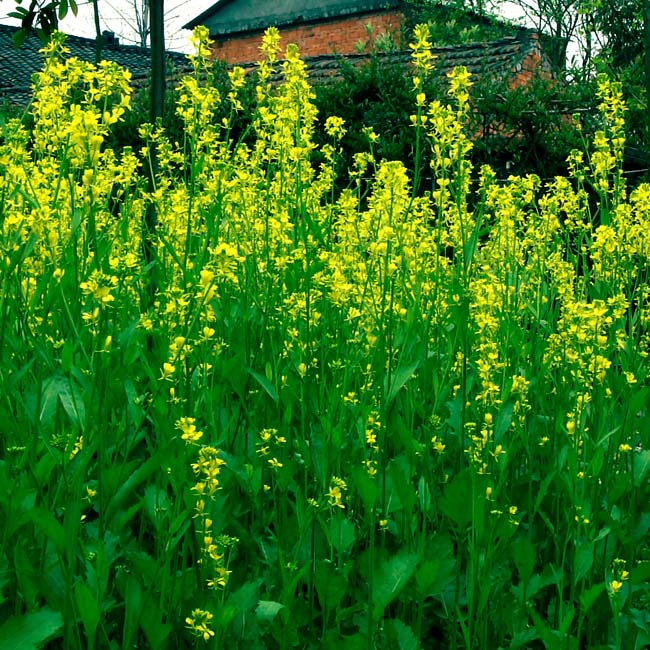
<point>646,52</point>
<point>157,90</point>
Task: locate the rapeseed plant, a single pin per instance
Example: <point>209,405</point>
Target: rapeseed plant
<point>405,404</point>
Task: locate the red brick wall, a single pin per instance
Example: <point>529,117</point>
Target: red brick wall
<point>339,35</point>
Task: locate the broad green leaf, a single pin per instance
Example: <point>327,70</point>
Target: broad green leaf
<point>523,639</point>
<point>400,377</point>
<point>550,637</point>
<point>265,384</point>
<point>639,401</point>
<point>641,466</point>
<point>46,522</point>
<point>330,584</point>
<point>366,488</point>
<point>340,532</point>
<point>61,390</point>
<point>156,505</point>
<point>63,9</point>
<point>523,555</point>
<point>503,421</point>
<point>26,576</point>
<point>437,570</point>
<point>589,597</point>
<point>398,469</point>
<point>401,635</point>
<point>154,629</point>
<point>246,597</point>
<point>565,625</point>
<point>67,356</point>
<point>267,610</point>
<point>132,610</point>
<point>640,573</point>
<point>456,502</point>
<point>128,488</point>
<point>31,631</point>
<point>541,492</point>
<point>88,611</point>
<point>389,579</point>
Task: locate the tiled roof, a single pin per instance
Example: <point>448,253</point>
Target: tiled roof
<point>500,58</point>
<point>18,65</point>
<point>228,17</point>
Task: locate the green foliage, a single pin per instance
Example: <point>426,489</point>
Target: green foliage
<point>456,21</point>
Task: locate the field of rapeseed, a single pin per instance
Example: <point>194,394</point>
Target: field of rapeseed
<point>299,417</point>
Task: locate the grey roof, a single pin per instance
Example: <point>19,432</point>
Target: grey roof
<point>501,58</point>
<point>237,16</point>
<point>18,65</point>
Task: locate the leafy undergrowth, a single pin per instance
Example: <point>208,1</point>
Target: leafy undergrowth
<point>292,417</point>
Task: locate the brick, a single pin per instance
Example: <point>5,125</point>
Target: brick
<point>340,35</point>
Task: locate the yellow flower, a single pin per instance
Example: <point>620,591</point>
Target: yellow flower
<point>167,371</point>
<point>615,586</point>
<point>335,493</point>
<point>334,496</point>
<point>198,624</point>
<point>438,446</point>
<point>190,433</point>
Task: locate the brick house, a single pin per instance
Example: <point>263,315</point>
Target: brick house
<point>328,30</point>
<point>317,26</point>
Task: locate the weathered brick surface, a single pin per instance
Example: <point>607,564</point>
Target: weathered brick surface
<point>340,35</point>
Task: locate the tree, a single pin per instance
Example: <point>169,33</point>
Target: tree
<point>137,18</point>
<point>564,21</point>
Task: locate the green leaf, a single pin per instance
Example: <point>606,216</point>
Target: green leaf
<point>456,502</point>
<point>584,558</point>
<point>154,629</point>
<point>129,486</point>
<point>589,597</point>
<point>541,492</point>
<point>267,610</point>
<point>398,469</point>
<point>53,530</point>
<point>550,637</point>
<point>389,580</point>
<point>67,356</point>
<point>246,597</point>
<point>401,635</point>
<point>366,488</point>
<point>330,584</point>
<point>58,389</point>
<point>641,466</point>
<point>522,639</point>
<point>523,555</point>
<point>640,573</point>
<point>88,611</point>
<point>401,376</point>
<point>436,573</point>
<point>639,401</point>
<point>26,576</point>
<point>132,610</point>
<point>264,383</point>
<point>31,631</point>
<point>340,533</point>
<point>63,9</point>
